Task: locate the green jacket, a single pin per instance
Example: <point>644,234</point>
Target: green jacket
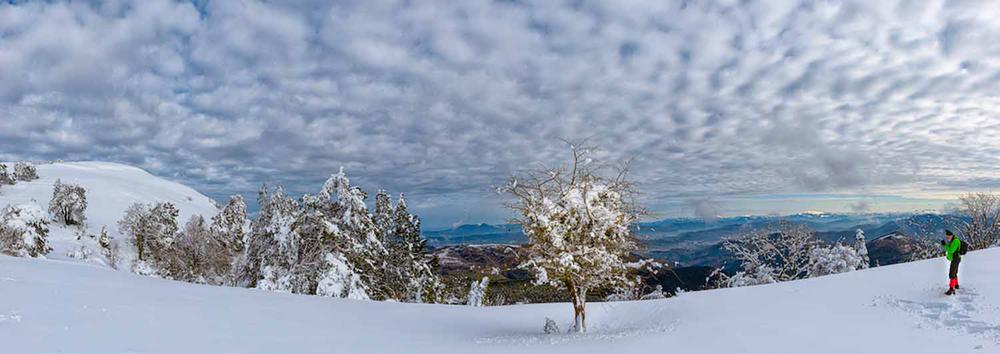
<point>951,249</point>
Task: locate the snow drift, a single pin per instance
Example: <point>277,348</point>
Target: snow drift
<point>49,306</point>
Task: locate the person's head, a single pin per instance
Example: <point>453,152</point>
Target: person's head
<point>948,235</point>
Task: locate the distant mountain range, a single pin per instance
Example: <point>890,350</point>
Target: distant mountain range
<point>694,242</point>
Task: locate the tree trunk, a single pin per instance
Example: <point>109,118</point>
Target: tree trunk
<point>579,295</point>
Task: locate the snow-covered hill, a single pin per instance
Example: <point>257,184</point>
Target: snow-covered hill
<point>51,306</point>
<point>111,188</point>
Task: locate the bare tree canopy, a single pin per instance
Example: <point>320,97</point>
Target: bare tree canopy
<point>982,229</point>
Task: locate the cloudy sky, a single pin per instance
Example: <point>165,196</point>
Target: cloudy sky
<point>728,107</point>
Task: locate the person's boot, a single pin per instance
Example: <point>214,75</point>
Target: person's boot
<point>951,291</point>
<point>957,287</point>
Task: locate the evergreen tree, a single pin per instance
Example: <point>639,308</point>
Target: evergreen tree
<point>229,224</point>
<point>862,249</point>
<point>271,250</point>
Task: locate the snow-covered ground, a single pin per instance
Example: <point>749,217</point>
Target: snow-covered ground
<point>66,305</point>
<point>111,188</point>
<point>52,306</point>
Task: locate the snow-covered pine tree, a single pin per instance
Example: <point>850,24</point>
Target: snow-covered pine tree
<point>270,251</point>
<point>68,204</point>
<point>228,226</point>
<point>861,247</point>
<point>24,231</point>
<point>25,171</point>
<point>477,292</point>
<point>422,285</point>
<point>578,226</point>
<point>355,234</point>
<point>383,217</point>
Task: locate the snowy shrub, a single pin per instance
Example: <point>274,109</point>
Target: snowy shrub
<point>109,248</point>
<point>83,253</point>
<point>24,230</point>
<point>833,260</point>
<point>749,277</point>
<point>477,292</point>
<point>656,294</point>
<point>780,253</point>
<point>68,204</point>
<point>25,171</point>
<point>550,326</point>
<point>577,222</point>
<point>5,176</point>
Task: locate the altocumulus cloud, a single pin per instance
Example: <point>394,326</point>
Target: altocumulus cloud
<point>442,99</point>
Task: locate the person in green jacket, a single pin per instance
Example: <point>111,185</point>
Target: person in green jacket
<point>951,245</point>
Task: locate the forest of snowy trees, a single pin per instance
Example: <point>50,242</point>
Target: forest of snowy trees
<point>326,244</point>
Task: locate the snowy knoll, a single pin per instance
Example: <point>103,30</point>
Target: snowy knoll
<point>111,188</point>
<point>51,306</point>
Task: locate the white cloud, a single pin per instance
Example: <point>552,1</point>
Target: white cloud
<point>441,100</point>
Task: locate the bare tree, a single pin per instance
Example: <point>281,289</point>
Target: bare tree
<point>69,203</point>
<point>982,229</point>
<point>577,219</point>
<point>778,253</point>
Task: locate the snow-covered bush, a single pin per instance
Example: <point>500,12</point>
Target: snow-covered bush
<point>577,222</point>
<point>25,171</point>
<point>24,230</point>
<point>762,274</point>
<point>656,294</point>
<point>779,253</point>
<point>82,253</point>
<point>833,260</point>
<point>477,292</point>
<point>109,248</point>
<point>68,204</point>
<point>550,326</point>
<point>5,176</point>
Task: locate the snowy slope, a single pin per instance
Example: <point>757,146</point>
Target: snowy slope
<point>111,188</point>
<point>49,306</point>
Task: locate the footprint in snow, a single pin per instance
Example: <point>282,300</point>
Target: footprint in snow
<point>956,313</point>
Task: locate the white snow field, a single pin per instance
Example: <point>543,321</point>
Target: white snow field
<point>111,189</point>
<point>69,305</point>
<point>52,306</point>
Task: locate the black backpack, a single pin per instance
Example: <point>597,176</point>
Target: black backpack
<point>963,248</point>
